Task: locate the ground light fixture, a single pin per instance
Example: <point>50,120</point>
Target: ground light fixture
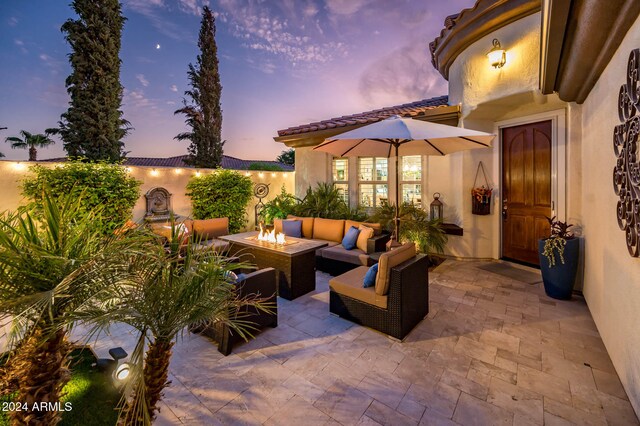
<point>497,55</point>
<point>119,372</point>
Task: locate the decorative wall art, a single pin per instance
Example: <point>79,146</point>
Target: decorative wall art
<point>626,173</point>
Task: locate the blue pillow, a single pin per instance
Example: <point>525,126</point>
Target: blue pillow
<point>241,277</point>
<point>292,228</point>
<point>350,238</point>
<point>370,277</point>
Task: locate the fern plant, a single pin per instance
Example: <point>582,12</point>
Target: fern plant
<point>557,240</point>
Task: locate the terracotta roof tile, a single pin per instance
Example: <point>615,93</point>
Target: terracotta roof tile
<point>411,109</point>
<point>228,162</point>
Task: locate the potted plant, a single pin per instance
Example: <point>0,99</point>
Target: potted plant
<point>559,254</point>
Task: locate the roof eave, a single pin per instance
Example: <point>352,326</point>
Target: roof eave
<point>584,52</point>
<point>444,114</point>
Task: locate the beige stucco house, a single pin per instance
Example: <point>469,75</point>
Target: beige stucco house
<point>554,106</point>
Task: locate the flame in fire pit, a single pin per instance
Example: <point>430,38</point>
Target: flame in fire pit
<point>271,236</point>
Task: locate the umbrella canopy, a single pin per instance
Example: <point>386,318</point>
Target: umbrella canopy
<point>409,136</point>
<point>398,136</point>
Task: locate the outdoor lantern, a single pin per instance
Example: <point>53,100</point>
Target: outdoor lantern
<point>436,207</point>
<point>497,55</point>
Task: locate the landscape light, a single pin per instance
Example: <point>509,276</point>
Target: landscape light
<point>497,55</point>
<point>122,372</point>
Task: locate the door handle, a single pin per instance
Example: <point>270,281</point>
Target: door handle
<point>504,208</point>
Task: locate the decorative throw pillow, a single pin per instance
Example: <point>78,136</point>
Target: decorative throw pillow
<point>365,234</point>
<point>350,238</point>
<point>370,276</point>
<point>292,228</point>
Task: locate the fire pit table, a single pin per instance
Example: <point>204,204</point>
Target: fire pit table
<point>294,260</point>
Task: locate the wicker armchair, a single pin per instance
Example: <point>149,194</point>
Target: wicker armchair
<point>261,283</point>
<point>398,311</point>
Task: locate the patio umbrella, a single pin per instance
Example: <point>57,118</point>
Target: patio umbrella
<point>396,136</point>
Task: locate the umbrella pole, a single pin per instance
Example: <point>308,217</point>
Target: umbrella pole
<point>397,218</point>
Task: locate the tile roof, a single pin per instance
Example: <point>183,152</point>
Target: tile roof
<point>406,110</point>
<point>228,162</point>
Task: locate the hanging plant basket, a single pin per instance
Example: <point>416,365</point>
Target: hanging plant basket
<point>481,195</point>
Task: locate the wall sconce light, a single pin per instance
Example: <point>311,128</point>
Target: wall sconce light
<point>154,172</point>
<point>128,169</point>
<point>261,175</point>
<point>178,171</point>
<point>19,166</point>
<point>286,175</point>
<point>273,175</point>
<point>198,173</point>
<point>247,174</point>
<point>497,55</point>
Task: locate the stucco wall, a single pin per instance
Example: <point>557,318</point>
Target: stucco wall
<point>612,277</point>
<point>311,167</point>
<point>11,173</point>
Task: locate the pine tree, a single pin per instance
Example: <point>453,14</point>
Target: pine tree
<point>93,126</point>
<point>203,113</point>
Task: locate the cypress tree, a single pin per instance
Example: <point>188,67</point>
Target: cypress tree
<point>93,126</point>
<point>202,113</point>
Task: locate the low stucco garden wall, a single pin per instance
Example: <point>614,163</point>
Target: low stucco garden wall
<point>172,179</point>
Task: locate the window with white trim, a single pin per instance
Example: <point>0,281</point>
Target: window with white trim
<point>411,179</point>
<point>341,177</point>
<point>373,186</point>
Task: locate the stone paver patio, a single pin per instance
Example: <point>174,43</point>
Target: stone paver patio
<point>492,351</point>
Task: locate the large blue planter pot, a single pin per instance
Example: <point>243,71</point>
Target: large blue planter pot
<point>559,279</point>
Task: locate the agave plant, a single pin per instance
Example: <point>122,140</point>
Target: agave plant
<point>44,262</point>
<point>167,289</point>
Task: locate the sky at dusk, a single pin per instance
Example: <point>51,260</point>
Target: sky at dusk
<point>282,63</point>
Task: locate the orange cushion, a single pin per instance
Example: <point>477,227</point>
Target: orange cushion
<point>328,229</point>
<point>387,261</point>
<point>363,237</point>
<point>307,225</point>
<point>208,229</point>
<point>377,228</point>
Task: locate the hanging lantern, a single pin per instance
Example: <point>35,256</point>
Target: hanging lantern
<point>436,207</point>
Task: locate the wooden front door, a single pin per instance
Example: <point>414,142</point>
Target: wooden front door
<point>526,195</point>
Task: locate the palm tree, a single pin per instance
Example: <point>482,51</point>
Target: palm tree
<point>167,290</point>
<point>46,261</point>
<point>31,141</point>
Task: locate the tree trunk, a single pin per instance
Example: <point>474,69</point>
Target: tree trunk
<point>41,371</point>
<point>33,153</point>
<point>155,374</point>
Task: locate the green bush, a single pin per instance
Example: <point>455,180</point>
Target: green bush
<point>415,226</point>
<point>102,185</point>
<point>224,193</point>
<point>265,167</point>
<point>326,201</point>
<point>280,207</point>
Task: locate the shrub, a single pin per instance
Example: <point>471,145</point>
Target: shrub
<point>102,185</point>
<point>265,167</point>
<point>224,193</point>
<point>415,226</point>
<point>280,207</point>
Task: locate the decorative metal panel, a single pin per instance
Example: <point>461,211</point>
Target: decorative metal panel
<point>626,174</point>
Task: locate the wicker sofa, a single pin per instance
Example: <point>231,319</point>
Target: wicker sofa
<point>398,301</point>
<point>261,283</point>
<point>334,258</point>
<point>203,233</point>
